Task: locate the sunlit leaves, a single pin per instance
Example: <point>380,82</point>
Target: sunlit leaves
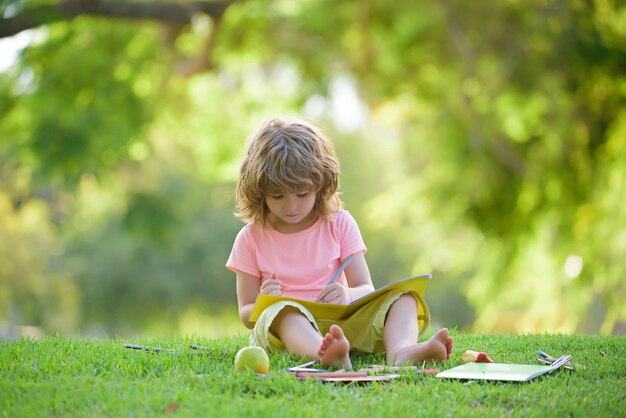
<point>92,100</point>
<point>485,144</point>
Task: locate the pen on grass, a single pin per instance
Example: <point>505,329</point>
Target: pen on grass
<point>199,347</point>
<point>305,367</point>
<point>143,347</point>
<point>341,268</point>
<point>548,359</point>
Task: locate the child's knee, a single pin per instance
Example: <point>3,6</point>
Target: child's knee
<point>403,305</point>
<point>406,302</point>
<point>289,314</point>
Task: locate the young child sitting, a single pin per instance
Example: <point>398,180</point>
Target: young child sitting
<point>297,235</point>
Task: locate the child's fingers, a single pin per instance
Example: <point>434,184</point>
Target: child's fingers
<point>334,297</point>
<point>325,295</point>
<point>334,293</point>
<point>271,287</point>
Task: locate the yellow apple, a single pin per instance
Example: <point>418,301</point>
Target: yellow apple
<point>252,359</point>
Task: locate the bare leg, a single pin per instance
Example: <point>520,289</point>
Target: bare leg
<point>401,332</point>
<point>301,338</point>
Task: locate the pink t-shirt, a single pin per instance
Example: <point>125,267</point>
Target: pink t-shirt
<point>303,261</point>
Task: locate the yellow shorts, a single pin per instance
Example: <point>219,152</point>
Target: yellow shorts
<point>364,328</point>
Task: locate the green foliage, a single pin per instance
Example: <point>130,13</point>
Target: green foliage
<point>151,273</point>
<point>40,378</point>
<point>490,152</point>
<point>518,146</point>
<point>89,110</point>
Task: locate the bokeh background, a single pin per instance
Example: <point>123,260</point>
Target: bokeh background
<point>483,142</point>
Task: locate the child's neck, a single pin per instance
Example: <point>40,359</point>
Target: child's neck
<point>287,228</point>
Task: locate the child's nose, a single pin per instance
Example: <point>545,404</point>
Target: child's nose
<point>292,202</point>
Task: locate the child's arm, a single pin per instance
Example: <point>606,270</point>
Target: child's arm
<point>359,283</point>
<point>248,287</point>
<point>358,277</point>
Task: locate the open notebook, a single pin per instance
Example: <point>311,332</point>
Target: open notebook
<point>336,312</point>
<point>505,372</point>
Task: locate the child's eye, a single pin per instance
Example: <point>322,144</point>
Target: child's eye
<point>277,196</point>
<point>303,194</point>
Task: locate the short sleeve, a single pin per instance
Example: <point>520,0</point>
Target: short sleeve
<point>243,254</point>
<point>349,235</point>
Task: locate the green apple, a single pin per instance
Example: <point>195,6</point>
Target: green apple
<point>252,359</point>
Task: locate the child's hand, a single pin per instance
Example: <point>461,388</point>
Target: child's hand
<point>334,293</point>
<point>272,286</point>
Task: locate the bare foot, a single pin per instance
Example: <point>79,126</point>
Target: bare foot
<point>438,348</point>
<point>335,349</point>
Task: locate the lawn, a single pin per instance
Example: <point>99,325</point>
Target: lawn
<point>73,377</point>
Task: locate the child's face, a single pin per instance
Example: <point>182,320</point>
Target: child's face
<point>292,211</point>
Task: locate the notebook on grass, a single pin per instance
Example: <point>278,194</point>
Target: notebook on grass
<point>504,372</point>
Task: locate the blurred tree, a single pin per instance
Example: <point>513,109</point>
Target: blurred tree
<point>501,115</point>
<point>488,148</point>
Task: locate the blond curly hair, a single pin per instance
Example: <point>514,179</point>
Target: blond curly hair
<point>284,156</point>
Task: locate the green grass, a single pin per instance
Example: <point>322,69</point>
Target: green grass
<point>62,377</point>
